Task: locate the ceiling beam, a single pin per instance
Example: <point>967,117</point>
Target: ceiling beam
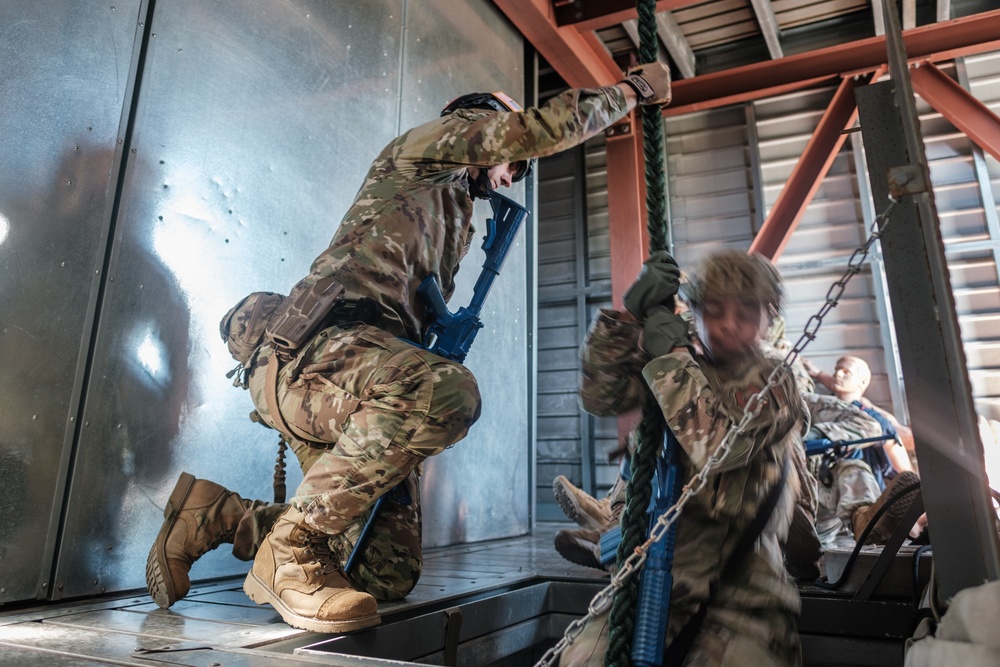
<point>597,14</point>
<point>677,45</point>
<point>572,54</point>
<point>673,40</point>
<point>957,105</point>
<point>935,42</point>
<point>809,171</point>
<point>768,27</point>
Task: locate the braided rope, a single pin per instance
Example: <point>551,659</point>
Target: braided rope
<point>621,621</point>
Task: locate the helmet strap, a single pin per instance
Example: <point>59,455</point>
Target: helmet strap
<point>480,187</point>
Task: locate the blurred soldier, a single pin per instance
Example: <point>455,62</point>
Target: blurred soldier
<point>360,406</point>
<point>747,616</point>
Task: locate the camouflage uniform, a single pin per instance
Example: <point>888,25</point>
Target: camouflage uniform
<point>363,406</point>
<point>853,484</point>
<point>755,610</point>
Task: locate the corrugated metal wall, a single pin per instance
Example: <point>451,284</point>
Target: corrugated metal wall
<point>726,168</point>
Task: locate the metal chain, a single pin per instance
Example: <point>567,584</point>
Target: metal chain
<point>602,601</point>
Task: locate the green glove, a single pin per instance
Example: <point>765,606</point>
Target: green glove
<point>651,83</point>
<point>663,331</point>
<point>656,285</point>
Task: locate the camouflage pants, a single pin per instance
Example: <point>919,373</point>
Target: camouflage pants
<point>728,638</point>
<point>390,565</point>
<point>382,406</point>
<point>853,486</point>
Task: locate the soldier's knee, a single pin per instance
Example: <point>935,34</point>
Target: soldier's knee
<point>455,403</point>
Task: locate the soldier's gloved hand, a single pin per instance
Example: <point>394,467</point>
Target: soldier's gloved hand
<point>664,330</point>
<point>651,83</point>
<point>656,285</point>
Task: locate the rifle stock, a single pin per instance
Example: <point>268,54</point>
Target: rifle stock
<point>448,334</point>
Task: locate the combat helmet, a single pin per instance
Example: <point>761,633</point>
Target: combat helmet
<point>497,101</point>
<point>735,273</point>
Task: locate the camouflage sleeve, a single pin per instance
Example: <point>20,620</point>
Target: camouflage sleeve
<point>839,420</point>
<point>485,138</point>
<point>700,412</point>
<point>611,362</point>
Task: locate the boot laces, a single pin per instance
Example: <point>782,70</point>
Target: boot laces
<point>317,545</point>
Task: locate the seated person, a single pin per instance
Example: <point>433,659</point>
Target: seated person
<point>849,382</point>
<point>855,488</point>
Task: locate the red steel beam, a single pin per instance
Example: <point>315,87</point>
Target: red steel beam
<point>569,53</point>
<point>808,173</point>
<point>936,42</point>
<point>957,105</point>
<point>628,237</point>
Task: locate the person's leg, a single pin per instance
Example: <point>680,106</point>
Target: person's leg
<point>199,516</point>
<point>390,406</point>
<point>579,506</point>
<point>389,564</point>
<point>730,638</point>
<point>886,525</point>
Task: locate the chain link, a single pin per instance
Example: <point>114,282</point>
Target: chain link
<point>631,565</point>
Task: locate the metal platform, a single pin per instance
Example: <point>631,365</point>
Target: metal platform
<point>497,584</point>
<point>497,604</point>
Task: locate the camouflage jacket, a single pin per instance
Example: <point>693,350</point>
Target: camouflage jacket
<point>412,216</point>
<point>700,400</point>
<point>839,420</point>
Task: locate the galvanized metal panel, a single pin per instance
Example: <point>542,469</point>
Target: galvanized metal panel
<point>480,487</point>
<point>708,179</point>
<point>831,228</point>
<point>64,69</point>
<point>247,150</point>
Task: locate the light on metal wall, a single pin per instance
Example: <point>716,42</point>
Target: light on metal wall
<point>150,356</point>
<point>4,228</point>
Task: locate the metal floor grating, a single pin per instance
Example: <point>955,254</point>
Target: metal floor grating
<point>216,624</point>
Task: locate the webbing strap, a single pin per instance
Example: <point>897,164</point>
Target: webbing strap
<point>271,394</point>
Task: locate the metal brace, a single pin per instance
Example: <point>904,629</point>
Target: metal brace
<point>906,180</point>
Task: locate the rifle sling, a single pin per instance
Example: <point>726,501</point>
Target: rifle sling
<point>678,649</point>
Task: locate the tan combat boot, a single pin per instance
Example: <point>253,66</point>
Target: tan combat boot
<point>889,521</point>
<point>295,572</point>
<point>581,507</point>
<point>199,516</point>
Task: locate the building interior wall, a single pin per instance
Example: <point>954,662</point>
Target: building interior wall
<point>162,160</point>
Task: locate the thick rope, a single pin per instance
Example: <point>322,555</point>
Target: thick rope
<point>640,487</point>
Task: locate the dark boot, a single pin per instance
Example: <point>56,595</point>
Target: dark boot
<point>295,572</point>
<point>887,525</point>
<point>199,516</point>
<point>582,547</point>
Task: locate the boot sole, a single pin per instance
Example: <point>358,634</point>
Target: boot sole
<point>567,503</point>
<point>261,593</point>
<point>576,553</point>
<point>158,581</point>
